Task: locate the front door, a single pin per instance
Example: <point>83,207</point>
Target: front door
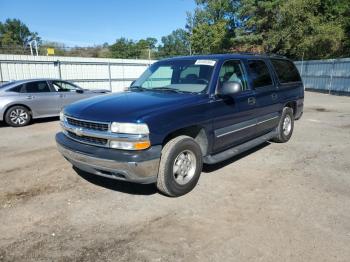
<point>234,117</point>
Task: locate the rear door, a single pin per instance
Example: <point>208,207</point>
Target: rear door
<point>233,116</point>
<point>290,86</point>
<point>267,96</point>
<point>40,98</point>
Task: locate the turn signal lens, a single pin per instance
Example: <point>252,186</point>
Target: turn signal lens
<point>127,145</point>
<point>142,145</point>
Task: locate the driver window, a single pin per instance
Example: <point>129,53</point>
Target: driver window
<point>64,87</point>
<point>232,71</point>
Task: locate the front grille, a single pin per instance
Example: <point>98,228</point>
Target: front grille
<point>88,139</point>
<point>87,124</point>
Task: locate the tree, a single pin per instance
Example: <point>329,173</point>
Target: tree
<point>175,44</point>
<point>212,25</point>
<point>15,33</point>
<point>295,28</point>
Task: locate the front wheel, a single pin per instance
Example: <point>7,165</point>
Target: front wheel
<point>17,116</point>
<point>180,166</point>
<point>285,126</point>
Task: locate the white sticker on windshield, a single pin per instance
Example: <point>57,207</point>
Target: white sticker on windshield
<point>205,62</point>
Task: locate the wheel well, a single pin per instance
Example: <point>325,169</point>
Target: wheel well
<point>196,132</point>
<point>292,105</point>
<point>7,109</point>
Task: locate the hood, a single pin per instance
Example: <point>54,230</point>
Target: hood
<point>126,106</point>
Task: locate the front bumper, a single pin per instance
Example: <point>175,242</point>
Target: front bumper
<point>134,166</point>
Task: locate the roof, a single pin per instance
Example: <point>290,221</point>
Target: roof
<point>23,81</point>
<point>227,56</point>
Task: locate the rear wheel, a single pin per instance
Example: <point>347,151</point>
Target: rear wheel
<point>17,116</point>
<point>180,166</point>
<point>285,126</point>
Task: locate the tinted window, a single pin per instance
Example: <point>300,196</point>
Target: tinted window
<point>286,71</point>
<point>16,89</point>
<point>232,71</point>
<point>259,73</point>
<point>37,87</point>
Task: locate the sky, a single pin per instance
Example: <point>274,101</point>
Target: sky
<point>86,23</point>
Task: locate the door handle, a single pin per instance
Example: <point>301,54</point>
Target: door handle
<point>274,96</point>
<point>30,97</point>
<point>61,95</point>
<point>251,100</point>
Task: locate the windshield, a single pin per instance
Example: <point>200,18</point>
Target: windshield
<point>192,76</point>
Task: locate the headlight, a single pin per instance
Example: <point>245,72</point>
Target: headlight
<point>62,116</point>
<point>130,128</point>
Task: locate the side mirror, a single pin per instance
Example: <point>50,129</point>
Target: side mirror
<point>229,88</point>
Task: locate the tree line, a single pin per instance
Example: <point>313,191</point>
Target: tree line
<point>309,29</point>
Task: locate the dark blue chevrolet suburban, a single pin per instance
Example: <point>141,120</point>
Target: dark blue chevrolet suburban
<point>183,112</point>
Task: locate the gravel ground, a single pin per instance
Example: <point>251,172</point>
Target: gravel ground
<point>278,202</point>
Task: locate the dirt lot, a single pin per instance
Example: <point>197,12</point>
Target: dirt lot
<point>279,202</point>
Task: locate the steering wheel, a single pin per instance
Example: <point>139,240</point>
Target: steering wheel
<point>202,81</point>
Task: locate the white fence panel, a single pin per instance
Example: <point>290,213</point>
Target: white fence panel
<point>92,73</point>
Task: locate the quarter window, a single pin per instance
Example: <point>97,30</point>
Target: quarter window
<point>259,73</point>
<point>37,87</point>
<point>64,86</point>
<point>286,71</point>
<point>16,89</point>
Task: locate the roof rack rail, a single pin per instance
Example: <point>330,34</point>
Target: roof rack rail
<point>276,55</point>
<point>262,54</point>
<point>249,53</point>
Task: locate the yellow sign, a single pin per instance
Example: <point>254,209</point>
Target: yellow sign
<point>50,51</point>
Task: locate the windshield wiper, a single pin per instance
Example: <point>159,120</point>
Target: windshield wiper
<point>166,89</point>
<point>139,88</point>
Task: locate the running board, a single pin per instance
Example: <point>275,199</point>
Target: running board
<point>213,159</point>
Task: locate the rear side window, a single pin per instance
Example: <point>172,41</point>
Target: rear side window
<point>16,89</point>
<point>37,87</point>
<point>259,73</point>
<point>286,71</point>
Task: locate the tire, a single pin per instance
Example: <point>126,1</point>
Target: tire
<point>180,166</point>
<point>285,126</point>
<point>17,116</point>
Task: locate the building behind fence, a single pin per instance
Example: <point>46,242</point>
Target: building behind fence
<point>331,75</point>
<point>113,74</point>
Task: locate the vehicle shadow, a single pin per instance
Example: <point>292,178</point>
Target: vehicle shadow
<point>150,189</point>
<point>118,185</point>
<point>44,120</point>
<point>213,167</point>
